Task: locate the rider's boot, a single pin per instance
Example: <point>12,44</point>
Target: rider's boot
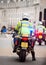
<point>33,55</point>
<point>14,50</point>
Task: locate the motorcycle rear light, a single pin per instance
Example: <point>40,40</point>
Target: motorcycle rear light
<point>40,33</point>
<point>24,39</point>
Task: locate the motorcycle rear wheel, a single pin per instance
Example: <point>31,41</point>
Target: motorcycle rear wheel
<point>22,56</point>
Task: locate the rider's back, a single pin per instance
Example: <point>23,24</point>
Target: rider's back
<point>26,28</point>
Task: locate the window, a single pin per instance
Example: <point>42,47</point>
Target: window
<point>45,14</point>
<point>21,0</point>
<point>2,1</point>
<point>16,0</point>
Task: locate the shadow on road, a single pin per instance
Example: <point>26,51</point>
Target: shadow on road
<point>15,61</point>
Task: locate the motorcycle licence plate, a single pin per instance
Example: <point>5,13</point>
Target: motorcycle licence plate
<point>24,44</point>
<point>40,36</point>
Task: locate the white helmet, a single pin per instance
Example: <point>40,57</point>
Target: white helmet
<point>40,23</point>
<point>25,15</point>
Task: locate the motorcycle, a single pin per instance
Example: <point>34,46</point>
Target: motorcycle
<point>23,46</point>
<point>39,37</point>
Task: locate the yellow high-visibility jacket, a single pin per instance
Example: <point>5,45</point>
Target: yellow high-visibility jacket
<point>23,27</point>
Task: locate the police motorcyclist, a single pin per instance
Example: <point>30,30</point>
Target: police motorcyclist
<point>20,29</point>
<point>40,27</point>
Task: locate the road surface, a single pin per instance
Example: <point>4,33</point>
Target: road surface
<point>8,58</point>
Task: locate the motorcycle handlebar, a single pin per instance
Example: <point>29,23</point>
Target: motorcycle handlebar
<point>17,36</point>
